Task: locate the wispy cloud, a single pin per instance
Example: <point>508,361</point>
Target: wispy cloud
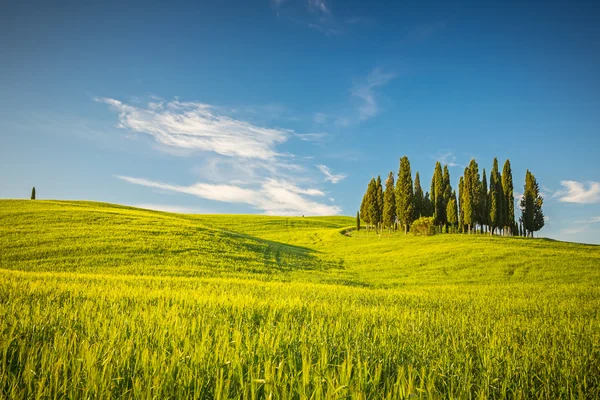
<point>311,137</point>
<point>329,176</point>
<point>579,192</point>
<point>273,197</point>
<point>318,6</point>
<point>592,220</point>
<point>446,157</point>
<point>574,231</point>
<point>197,126</point>
<point>366,92</point>
<point>241,162</point>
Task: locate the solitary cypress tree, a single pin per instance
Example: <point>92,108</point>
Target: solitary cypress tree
<point>509,199</point>
<point>357,221</point>
<point>389,203</point>
<point>531,206</point>
<point>404,195</point>
<point>419,198</point>
<point>467,200</point>
<point>33,193</point>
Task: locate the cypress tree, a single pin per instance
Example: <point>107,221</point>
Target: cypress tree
<point>452,211</point>
<point>379,198</point>
<point>474,188</point>
<point>495,198</point>
<point>461,218</point>
<point>357,221</point>
<point>427,207</point>
<point>372,208</point>
<point>509,199</point>
<point>404,195</point>
<point>484,208</point>
<point>467,200</point>
<point>447,192</point>
<point>439,213</point>
<point>531,206</point>
<point>364,207</point>
<point>389,203</point>
<point>33,193</point>
<point>419,198</point>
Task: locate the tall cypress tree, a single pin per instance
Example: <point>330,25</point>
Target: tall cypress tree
<point>439,213</point>
<point>389,203</point>
<point>484,208</point>
<point>372,207</point>
<point>379,200</point>
<point>405,195</point>
<point>357,221</point>
<point>33,193</point>
<point>427,207</point>
<point>364,207</point>
<point>467,200</point>
<point>496,199</point>
<point>509,199</point>
<point>531,206</point>
<point>461,216</point>
<point>447,192</point>
<point>452,211</point>
<point>474,188</point>
<point>419,198</point>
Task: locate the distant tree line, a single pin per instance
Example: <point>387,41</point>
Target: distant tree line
<point>478,207</point>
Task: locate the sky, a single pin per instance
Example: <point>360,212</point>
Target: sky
<point>290,107</point>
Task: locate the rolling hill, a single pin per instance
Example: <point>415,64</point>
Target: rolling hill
<point>102,300</point>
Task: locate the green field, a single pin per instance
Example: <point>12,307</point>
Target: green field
<point>107,301</point>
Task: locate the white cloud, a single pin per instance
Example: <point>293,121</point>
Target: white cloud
<point>198,126</point>
<point>574,231</point>
<point>592,220</point>
<point>273,197</point>
<point>329,176</point>
<point>320,118</point>
<point>446,158</point>
<point>311,137</point>
<point>318,6</point>
<point>576,192</point>
<point>365,91</point>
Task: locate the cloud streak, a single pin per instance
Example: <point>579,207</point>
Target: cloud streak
<point>579,192</point>
<point>273,197</point>
<point>329,176</point>
<point>367,94</point>
<point>196,126</point>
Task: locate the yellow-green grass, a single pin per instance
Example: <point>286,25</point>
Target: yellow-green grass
<point>106,301</point>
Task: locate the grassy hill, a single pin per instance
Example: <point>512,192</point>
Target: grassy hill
<point>100,300</point>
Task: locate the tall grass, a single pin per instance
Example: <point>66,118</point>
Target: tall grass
<point>364,317</point>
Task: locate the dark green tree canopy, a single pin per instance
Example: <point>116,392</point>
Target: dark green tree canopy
<point>389,202</point>
<point>404,194</point>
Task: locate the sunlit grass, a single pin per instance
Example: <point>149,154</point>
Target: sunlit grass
<point>101,301</point>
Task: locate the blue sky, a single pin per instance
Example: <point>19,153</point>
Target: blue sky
<point>291,106</point>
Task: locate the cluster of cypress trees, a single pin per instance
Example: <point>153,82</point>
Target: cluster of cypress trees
<point>477,207</point>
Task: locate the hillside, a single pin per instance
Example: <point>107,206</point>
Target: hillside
<point>87,237</point>
<point>101,300</point>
